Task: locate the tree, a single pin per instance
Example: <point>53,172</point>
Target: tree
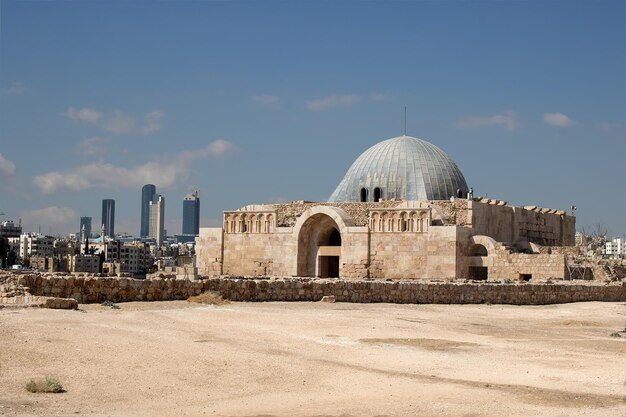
<point>598,231</point>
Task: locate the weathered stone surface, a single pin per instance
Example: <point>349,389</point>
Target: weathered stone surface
<point>97,290</point>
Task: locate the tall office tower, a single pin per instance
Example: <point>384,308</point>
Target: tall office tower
<point>157,217</point>
<point>191,214</point>
<point>86,223</point>
<point>147,194</point>
<point>108,217</point>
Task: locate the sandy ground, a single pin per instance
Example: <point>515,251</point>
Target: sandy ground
<point>316,359</point>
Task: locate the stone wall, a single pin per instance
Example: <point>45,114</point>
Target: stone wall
<point>509,224</point>
<point>94,290</point>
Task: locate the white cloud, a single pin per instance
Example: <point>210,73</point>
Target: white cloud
<point>7,168</point>
<point>93,146</point>
<point>332,101</point>
<point>558,119</point>
<point>506,118</point>
<point>608,127</point>
<point>16,88</point>
<point>380,97</point>
<point>116,121</point>
<point>55,218</point>
<point>83,115</point>
<point>264,99</point>
<point>152,122</point>
<point>219,148</point>
<point>165,171</point>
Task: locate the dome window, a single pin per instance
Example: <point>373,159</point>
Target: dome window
<point>363,195</point>
<point>377,194</point>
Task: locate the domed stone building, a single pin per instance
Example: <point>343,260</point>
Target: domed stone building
<point>402,211</point>
<point>402,168</point>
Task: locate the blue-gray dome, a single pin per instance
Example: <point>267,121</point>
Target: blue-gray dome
<point>402,168</point>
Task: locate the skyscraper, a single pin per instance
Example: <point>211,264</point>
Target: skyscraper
<point>157,218</point>
<point>191,214</point>
<point>86,222</point>
<point>147,194</point>
<point>108,217</point>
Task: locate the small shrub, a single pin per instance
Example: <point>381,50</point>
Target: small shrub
<point>208,297</point>
<point>44,385</point>
<point>616,334</point>
<point>111,304</point>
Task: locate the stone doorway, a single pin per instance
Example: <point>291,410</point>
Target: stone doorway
<point>328,266</point>
<point>319,247</point>
<point>478,273</point>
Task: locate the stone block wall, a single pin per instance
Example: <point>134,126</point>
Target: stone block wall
<point>508,224</point>
<point>96,290</point>
<point>259,254</point>
<point>399,255</point>
<point>209,251</point>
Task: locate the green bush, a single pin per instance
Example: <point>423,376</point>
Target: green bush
<point>44,385</point>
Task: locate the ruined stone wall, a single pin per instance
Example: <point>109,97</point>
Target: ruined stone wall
<point>540,266</point>
<point>93,290</point>
<point>508,224</point>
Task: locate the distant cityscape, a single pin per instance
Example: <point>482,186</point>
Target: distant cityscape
<point>96,248</point>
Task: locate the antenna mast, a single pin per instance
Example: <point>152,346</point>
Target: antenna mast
<point>404,120</point>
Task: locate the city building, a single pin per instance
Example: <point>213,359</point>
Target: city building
<point>108,217</point>
<point>147,195</point>
<point>402,211</point>
<point>85,225</point>
<point>84,263</point>
<point>157,219</point>
<point>135,258</point>
<point>32,244</point>
<point>9,229</point>
<point>191,214</point>
<point>615,248</point>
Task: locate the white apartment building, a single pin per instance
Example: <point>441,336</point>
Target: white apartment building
<point>157,219</point>
<point>36,244</point>
<point>615,248</point>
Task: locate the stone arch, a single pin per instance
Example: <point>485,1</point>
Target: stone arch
<point>374,222</point>
<point>320,227</point>
<point>485,241</point>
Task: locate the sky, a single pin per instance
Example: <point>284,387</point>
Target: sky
<point>272,101</point>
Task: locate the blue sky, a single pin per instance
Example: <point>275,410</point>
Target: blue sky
<point>254,102</point>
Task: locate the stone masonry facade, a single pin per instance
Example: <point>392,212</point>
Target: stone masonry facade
<point>456,239</point>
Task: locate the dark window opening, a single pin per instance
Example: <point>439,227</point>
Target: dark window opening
<point>329,267</point>
<point>525,277</point>
<point>335,238</point>
<point>363,195</point>
<point>478,273</point>
<point>377,194</point>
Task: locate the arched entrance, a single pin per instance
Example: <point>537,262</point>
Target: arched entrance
<point>319,247</point>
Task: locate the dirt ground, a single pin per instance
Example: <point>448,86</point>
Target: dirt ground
<point>316,359</point>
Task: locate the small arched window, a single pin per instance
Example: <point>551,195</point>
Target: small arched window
<point>377,194</point>
<point>363,195</point>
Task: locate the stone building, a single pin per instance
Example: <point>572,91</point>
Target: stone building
<point>403,211</point>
